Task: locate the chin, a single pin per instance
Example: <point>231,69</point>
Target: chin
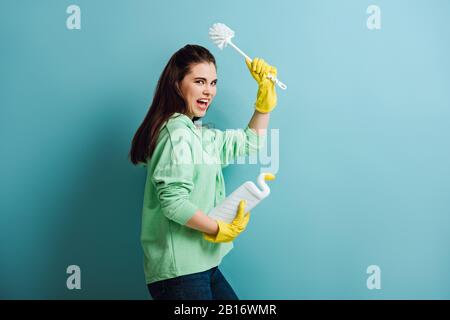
<point>200,114</point>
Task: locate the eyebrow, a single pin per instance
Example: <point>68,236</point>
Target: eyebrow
<point>201,78</point>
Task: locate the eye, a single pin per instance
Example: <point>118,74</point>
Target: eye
<point>200,81</point>
<point>214,83</point>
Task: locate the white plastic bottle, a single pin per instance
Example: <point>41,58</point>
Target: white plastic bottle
<point>227,209</point>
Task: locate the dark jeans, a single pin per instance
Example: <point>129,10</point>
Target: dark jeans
<point>206,285</point>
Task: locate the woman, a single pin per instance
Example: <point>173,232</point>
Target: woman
<point>182,245</point>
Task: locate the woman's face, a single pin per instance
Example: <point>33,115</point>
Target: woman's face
<point>199,88</point>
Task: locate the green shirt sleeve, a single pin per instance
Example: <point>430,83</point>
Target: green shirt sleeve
<point>232,144</point>
<point>173,176</point>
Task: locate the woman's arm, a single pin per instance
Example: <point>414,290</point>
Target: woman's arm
<point>259,122</point>
<point>200,221</point>
<point>203,223</point>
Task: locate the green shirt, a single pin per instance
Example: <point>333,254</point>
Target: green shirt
<point>184,175</point>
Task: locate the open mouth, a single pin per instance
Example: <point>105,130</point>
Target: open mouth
<point>202,103</point>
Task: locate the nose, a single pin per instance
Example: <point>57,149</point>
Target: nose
<point>208,89</point>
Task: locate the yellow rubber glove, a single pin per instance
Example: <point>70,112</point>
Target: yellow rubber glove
<point>266,98</point>
<point>229,231</point>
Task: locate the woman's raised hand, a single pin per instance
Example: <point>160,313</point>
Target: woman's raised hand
<point>266,98</point>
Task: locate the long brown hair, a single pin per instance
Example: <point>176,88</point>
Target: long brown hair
<point>167,100</point>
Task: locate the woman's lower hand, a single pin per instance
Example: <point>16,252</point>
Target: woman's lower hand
<point>266,98</point>
<point>229,231</point>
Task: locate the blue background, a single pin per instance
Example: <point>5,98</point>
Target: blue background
<point>364,157</point>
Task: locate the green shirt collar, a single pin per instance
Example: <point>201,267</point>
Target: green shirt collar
<point>184,118</point>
